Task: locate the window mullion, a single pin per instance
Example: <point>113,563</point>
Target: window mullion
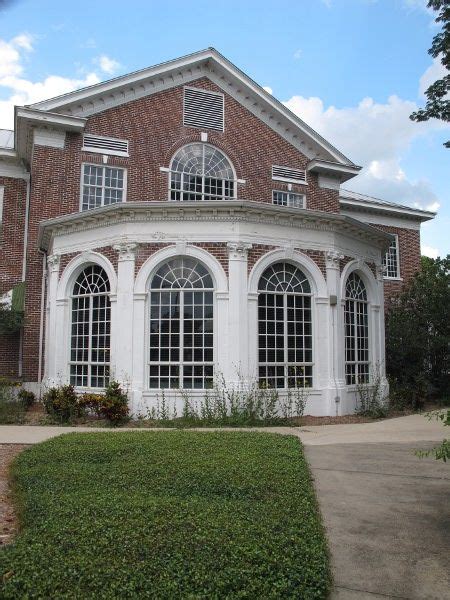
<point>285,339</point>
<point>90,342</point>
<point>181,344</point>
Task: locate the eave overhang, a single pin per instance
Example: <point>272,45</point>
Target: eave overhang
<point>27,119</point>
<point>232,210</point>
<point>333,169</point>
<point>373,207</point>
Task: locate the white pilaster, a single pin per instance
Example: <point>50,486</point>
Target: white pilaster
<point>238,325</point>
<point>51,349</point>
<point>335,332</point>
<point>123,323</point>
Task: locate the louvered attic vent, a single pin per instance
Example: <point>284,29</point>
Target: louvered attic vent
<point>288,174</point>
<point>203,109</point>
<point>105,145</point>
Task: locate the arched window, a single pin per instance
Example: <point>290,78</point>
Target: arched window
<point>201,172</point>
<point>285,327</point>
<point>181,325</point>
<point>356,331</point>
<point>91,329</point>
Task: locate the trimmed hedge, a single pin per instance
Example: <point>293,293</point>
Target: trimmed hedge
<point>166,515</point>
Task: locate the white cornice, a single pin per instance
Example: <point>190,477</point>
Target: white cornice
<point>230,211</point>
<point>339,171</point>
<point>221,71</point>
<point>368,206</point>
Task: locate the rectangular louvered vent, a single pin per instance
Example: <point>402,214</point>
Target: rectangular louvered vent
<point>105,145</point>
<point>203,109</point>
<point>288,174</point>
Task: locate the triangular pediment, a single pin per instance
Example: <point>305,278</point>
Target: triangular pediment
<point>206,63</point>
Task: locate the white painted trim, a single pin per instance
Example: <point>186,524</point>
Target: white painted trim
<point>101,166</point>
<point>76,265</point>
<point>304,262</point>
<point>399,269</point>
<point>52,138</point>
<point>366,275</point>
<point>141,285</point>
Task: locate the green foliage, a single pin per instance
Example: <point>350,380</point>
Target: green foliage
<point>64,405</point>
<point>61,403</point>
<point>371,402</point>
<point>11,321</point>
<point>223,406</point>
<point>26,398</point>
<point>417,336</point>
<point>12,410</point>
<point>114,406</point>
<point>441,452</point>
<point>438,102</point>
<point>166,515</point>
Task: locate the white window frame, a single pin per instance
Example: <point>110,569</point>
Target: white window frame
<point>102,166</point>
<point>202,193</point>
<point>397,249</point>
<point>181,362</point>
<point>289,193</point>
<point>89,363</point>
<point>357,305</point>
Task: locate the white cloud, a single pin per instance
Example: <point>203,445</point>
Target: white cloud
<point>106,64</point>
<point>268,89</point>
<point>297,54</point>
<point>24,91</point>
<point>430,251</point>
<point>374,135</point>
<point>435,71</point>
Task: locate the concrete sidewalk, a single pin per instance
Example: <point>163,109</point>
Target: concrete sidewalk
<point>413,428</point>
<point>387,517</point>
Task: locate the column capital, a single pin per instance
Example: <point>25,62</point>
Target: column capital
<point>332,258</point>
<point>380,271</point>
<point>238,250</point>
<point>53,261</point>
<point>126,249</point>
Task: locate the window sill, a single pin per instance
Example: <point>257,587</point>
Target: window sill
<point>393,278</point>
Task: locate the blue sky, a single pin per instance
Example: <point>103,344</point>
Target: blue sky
<point>352,69</point>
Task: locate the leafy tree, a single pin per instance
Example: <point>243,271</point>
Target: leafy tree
<point>438,102</point>
<point>418,334</point>
<point>10,320</point>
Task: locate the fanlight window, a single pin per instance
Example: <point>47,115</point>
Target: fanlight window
<point>201,172</point>
<point>356,331</point>
<point>181,326</point>
<point>91,329</point>
<point>284,328</point>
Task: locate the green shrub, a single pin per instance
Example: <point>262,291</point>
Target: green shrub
<point>166,515</point>
<point>114,406</point>
<point>11,321</point>
<point>92,403</point>
<point>26,398</point>
<point>61,403</point>
<point>12,410</point>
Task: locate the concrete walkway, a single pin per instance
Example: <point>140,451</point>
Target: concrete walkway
<point>414,428</point>
<point>386,511</point>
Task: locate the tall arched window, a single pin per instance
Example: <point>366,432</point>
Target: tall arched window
<point>201,172</point>
<point>91,329</point>
<point>285,327</point>
<point>181,325</point>
<point>356,331</point>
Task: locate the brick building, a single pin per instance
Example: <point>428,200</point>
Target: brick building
<point>179,222</point>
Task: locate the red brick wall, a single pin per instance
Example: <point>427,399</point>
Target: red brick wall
<point>11,254</point>
<point>409,252</point>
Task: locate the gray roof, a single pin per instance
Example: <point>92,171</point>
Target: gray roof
<point>372,201</point>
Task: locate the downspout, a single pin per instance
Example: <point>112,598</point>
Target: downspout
<point>24,265</point>
<point>337,398</point>
<point>41,322</point>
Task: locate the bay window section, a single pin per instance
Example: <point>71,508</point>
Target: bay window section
<point>90,329</point>
<point>181,326</point>
<point>356,322</point>
<point>285,328</point>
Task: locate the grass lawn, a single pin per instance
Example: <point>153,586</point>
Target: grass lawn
<point>177,514</point>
